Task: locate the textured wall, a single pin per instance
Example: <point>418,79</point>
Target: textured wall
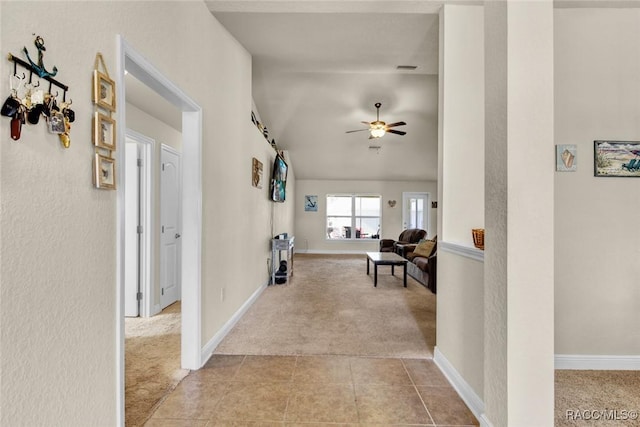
<point>495,268</point>
<point>597,54</point>
<point>58,234</point>
<point>530,256</point>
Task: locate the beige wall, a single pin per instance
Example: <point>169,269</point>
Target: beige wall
<point>155,129</point>
<point>461,155</point>
<point>597,245</point>
<point>311,227</point>
<point>519,260</point>
<point>461,148</point>
<point>460,334</point>
<point>58,234</point>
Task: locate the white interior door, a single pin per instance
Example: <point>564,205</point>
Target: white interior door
<point>415,210</point>
<point>132,238</point>
<point>170,219</point>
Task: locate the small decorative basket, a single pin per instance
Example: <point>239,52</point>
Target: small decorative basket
<point>478,237</point>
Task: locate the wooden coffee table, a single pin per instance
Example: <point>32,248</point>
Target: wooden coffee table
<point>386,258</point>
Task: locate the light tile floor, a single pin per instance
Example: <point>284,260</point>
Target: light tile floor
<point>236,390</point>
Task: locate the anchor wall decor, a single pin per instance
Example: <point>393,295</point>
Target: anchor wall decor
<point>29,101</point>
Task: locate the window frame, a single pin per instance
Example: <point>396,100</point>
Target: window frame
<point>354,218</point>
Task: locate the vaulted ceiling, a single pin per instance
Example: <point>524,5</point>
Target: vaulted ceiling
<point>320,66</point>
<point>318,70</point>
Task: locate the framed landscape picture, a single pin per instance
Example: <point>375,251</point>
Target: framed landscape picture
<point>616,158</point>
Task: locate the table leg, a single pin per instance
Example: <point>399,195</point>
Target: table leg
<point>375,274</point>
<point>393,273</point>
<point>367,266</point>
<point>405,274</point>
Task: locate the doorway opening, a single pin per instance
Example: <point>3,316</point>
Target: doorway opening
<point>139,225</point>
<point>191,178</point>
<point>415,210</point>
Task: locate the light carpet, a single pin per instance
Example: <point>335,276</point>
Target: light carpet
<point>330,307</point>
<point>606,398</point>
<point>152,362</point>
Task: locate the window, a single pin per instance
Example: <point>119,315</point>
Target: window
<point>353,217</point>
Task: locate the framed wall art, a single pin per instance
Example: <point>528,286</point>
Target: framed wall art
<point>104,91</point>
<point>104,172</point>
<point>256,173</point>
<point>616,158</point>
<point>311,203</point>
<point>566,158</point>
<point>104,131</point>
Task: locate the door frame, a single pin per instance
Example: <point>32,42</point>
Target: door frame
<point>170,149</point>
<point>191,348</point>
<point>406,195</point>
<point>147,204</point>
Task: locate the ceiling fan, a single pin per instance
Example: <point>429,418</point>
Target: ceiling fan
<point>378,128</point>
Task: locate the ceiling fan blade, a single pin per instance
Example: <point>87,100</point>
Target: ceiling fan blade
<point>397,132</point>
<point>357,130</point>
<point>396,124</point>
<point>366,123</point>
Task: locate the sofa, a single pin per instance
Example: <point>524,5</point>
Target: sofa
<point>422,264</point>
<point>407,237</point>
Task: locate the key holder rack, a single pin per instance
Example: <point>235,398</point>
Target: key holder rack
<point>31,69</point>
<point>29,102</point>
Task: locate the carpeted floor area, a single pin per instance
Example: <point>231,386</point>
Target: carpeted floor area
<point>597,398</point>
<point>152,362</point>
<point>330,307</point>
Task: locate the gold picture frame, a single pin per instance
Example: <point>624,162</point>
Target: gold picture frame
<point>104,91</point>
<point>104,172</point>
<point>256,173</point>
<point>104,131</point>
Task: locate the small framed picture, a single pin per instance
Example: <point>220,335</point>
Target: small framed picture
<point>616,158</point>
<point>104,131</point>
<point>104,172</point>
<point>566,158</point>
<point>256,173</point>
<point>311,203</point>
<point>104,91</point>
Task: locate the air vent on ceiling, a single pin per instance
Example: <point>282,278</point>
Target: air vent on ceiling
<point>406,67</point>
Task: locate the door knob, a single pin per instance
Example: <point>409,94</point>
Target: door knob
<point>177,236</point>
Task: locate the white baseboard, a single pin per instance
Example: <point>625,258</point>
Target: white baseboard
<point>209,348</point>
<point>331,252</point>
<point>472,400</point>
<point>597,362</point>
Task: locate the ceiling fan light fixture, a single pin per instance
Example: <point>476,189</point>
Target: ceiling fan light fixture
<point>377,132</point>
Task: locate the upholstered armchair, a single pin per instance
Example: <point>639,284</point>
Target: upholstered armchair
<point>408,236</point>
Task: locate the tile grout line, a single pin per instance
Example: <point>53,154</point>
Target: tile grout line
<point>415,387</point>
<point>227,386</point>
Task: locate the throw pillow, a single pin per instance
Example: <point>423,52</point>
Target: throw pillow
<point>424,248</point>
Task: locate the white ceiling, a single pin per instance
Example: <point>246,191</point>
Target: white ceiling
<point>317,74</point>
